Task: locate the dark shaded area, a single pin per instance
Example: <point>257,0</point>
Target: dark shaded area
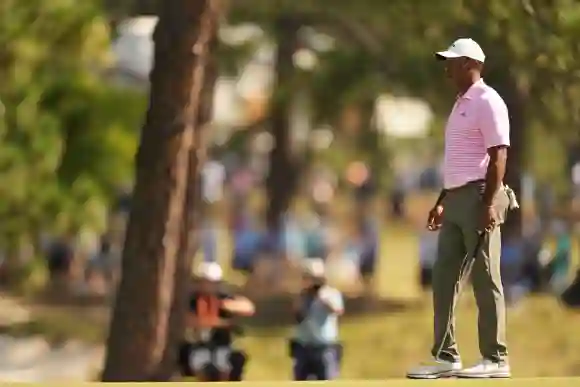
<point>571,296</point>
<point>57,298</point>
<point>272,311</point>
<point>276,311</point>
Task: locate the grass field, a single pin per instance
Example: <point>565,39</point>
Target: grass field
<point>523,382</point>
<point>543,337</point>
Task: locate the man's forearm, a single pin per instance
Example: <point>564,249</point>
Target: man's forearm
<point>494,176</point>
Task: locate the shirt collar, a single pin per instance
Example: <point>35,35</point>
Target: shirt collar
<point>472,89</point>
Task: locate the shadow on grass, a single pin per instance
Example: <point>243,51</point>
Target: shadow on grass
<point>272,311</point>
<point>276,312</point>
<point>57,329</point>
<point>54,297</point>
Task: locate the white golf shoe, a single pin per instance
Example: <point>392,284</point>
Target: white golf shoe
<point>434,370</point>
<point>486,369</point>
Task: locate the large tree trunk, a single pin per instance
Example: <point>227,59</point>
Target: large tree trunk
<point>193,214</point>
<point>138,333</point>
<point>284,169</point>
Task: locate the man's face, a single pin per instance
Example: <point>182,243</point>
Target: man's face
<point>456,69</point>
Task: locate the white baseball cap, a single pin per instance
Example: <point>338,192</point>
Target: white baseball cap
<point>314,267</point>
<point>463,48</point>
<point>210,271</point>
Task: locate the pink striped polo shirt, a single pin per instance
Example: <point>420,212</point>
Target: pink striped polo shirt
<point>479,121</point>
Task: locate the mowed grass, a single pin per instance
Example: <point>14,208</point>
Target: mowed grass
<point>544,339</point>
<point>543,336</point>
<point>537,382</point>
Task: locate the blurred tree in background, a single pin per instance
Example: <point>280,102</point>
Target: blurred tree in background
<point>531,46</point>
<point>59,116</point>
<point>66,138</point>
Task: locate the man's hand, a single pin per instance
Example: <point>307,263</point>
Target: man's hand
<point>327,297</point>
<point>435,218</point>
<point>488,219</point>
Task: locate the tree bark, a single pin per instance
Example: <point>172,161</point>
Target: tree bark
<point>282,179</point>
<point>138,333</point>
<point>193,214</point>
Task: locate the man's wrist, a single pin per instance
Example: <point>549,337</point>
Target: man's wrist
<point>441,197</point>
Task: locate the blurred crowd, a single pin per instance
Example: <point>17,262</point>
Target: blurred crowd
<point>539,261</point>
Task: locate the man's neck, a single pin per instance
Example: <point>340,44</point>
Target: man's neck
<point>472,79</point>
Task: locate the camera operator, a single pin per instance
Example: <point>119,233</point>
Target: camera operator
<point>314,347</point>
<point>210,317</point>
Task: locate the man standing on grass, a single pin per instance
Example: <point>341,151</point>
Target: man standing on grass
<point>474,200</point>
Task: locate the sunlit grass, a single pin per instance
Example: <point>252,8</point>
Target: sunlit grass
<point>543,337</point>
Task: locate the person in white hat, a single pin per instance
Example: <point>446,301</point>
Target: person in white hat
<point>211,310</point>
<point>315,347</point>
<point>468,215</point>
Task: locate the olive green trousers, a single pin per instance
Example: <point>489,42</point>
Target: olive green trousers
<point>458,238</point>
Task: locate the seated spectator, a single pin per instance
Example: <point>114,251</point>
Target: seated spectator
<point>210,355</point>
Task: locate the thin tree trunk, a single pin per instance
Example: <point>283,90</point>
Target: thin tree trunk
<point>515,100</point>
<point>283,175</point>
<point>193,214</point>
<point>138,333</point>
<point>516,157</point>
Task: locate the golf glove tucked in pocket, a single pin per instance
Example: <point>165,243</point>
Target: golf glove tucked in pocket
<point>513,201</point>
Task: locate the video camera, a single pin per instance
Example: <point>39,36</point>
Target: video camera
<point>308,296</point>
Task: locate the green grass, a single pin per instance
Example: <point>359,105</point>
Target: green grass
<point>543,337</point>
<point>536,382</point>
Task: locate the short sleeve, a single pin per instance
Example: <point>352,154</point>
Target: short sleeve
<point>494,121</point>
<point>334,298</point>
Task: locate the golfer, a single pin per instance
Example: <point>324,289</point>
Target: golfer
<point>473,203</point>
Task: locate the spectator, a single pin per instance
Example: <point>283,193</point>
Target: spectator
<point>209,237</point>
<point>213,175</point>
<point>59,258</point>
<point>210,318</point>
<point>103,263</point>
<point>247,241</point>
<point>367,240</point>
<point>315,348</point>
